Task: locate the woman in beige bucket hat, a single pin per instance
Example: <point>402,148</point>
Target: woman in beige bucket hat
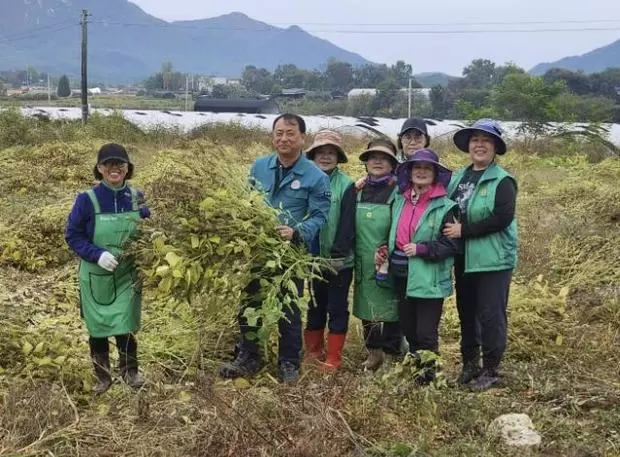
<point>336,241</point>
<point>374,299</point>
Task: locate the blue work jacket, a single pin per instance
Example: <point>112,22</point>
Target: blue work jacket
<point>303,193</point>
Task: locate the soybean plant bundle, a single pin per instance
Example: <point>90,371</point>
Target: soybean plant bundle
<point>210,233</point>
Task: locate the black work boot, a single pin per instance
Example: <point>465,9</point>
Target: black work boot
<point>128,367</point>
<point>244,365</point>
<point>487,379</point>
<point>288,372</point>
<point>470,371</point>
<point>101,363</point>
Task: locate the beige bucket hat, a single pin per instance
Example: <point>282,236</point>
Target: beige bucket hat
<point>325,138</point>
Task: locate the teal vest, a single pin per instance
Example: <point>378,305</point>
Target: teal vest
<point>339,183</point>
<point>426,279</point>
<point>496,251</point>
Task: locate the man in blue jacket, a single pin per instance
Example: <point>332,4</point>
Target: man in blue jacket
<point>295,184</point>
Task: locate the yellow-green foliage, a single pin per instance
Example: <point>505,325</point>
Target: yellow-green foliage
<point>207,231</point>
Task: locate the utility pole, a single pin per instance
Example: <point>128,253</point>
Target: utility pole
<point>84,85</point>
<point>409,105</point>
<point>49,90</point>
<point>186,89</point>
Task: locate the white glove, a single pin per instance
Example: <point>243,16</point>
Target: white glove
<point>337,264</point>
<point>107,261</point>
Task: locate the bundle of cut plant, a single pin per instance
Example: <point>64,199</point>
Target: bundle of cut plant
<point>210,233</point>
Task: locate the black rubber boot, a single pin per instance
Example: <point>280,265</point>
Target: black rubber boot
<point>244,365</point>
<point>101,364</point>
<point>128,367</point>
<point>471,370</point>
<point>488,378</point>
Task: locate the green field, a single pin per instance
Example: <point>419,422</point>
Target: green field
<point>562,367</point>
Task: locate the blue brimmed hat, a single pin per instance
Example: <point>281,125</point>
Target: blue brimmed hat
<point>442,173</point>
<point>488,126</point>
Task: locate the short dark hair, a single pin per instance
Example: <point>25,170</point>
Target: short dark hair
<point>128,176</point>
<point>382,141</point>
<point>291,118</point>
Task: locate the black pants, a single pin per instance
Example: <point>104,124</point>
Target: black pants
<point>482,300</point>
<point>419,318</point>
<point>290,327</point>
<point>383,335</point>
<point>331,298</point>
<point>125,344</point>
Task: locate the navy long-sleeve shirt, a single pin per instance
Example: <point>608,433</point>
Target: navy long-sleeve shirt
<point>80,227</point>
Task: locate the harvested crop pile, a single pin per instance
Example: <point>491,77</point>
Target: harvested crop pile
<point>209,232</point>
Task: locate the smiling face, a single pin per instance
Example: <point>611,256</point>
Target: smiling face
<point>287,138</point>
<point>481,149</point>
<point>378,164</point>
<point>422,174</point>
<point>326,157</point>
<point>113,172</point>
<point>413,140</point>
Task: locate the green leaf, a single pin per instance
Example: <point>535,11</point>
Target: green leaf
<point>27,348</point>
<point>44,361</point>
<point>271,264</point>
<point>242,383</point>
<point>39,348</point>
<point>215,239</point>
<point>162,270</point>
<point>60,359</point>
<point>195,241</point>
<point>172,258</point>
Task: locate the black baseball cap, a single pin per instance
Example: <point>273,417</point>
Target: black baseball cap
<point>112,151</point>
<point>414,123</point>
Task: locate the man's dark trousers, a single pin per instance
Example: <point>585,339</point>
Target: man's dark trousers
<point>290,327</point>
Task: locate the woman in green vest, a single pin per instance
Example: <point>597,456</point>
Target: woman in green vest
<point>336,241</point>
<point>486,194</point>
<point>101,223</point>
<point>374,299</point>
<point>421,257</point>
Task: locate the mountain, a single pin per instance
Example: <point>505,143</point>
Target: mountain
<point>431,79</point>
<point>126,44</point>
<point>591,62</point>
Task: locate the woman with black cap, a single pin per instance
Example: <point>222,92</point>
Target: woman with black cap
<point>413,136</point>
<point>421,257</point>
<point>486,194</point>
<point>101,223</point>
<point>336,242</point>
<point>374,299</point>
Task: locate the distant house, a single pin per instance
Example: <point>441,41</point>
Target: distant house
<point>423,92</point>
<point>292,93</point>
<point>250,106</point>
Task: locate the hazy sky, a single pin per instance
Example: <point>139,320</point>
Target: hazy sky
<point>335,20</point>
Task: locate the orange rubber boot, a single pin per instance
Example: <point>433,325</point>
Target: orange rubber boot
<point>314,341</point>
<point>335,344</point>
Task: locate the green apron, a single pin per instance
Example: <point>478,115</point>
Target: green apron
<point>372,301</point>
<point>111,302</point>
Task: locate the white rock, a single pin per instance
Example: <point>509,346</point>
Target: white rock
<point>516,430</point>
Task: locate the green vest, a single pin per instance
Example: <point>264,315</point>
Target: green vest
<point>426,279</point>
<point>496,251</point>
<point>372,301</point>
<point>111,302</point>
<point>338,183</point>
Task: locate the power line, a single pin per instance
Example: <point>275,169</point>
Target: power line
<point>36,32</point>
<point>429,24</point>
<point>373,32</point>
